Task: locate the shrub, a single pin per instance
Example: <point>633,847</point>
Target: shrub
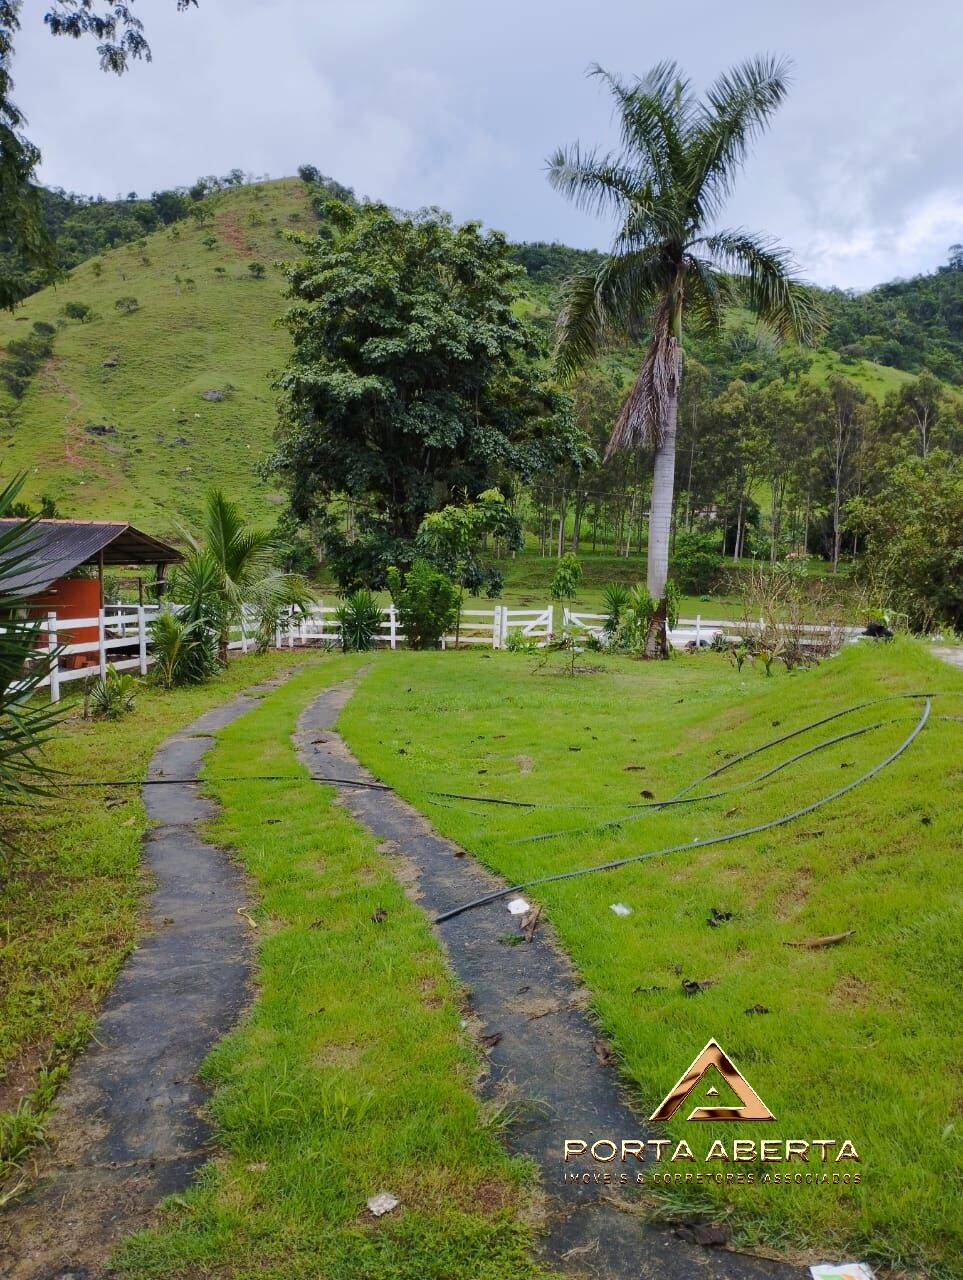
<point>427,603</point>
<point>616,601</point>
<point>78,311</point>
<point>568,575</point>
<point>127,305</point>
<point>696,561</point>
<point>209,242</point>
<point>517,642</point>
<point>185,652</point>
<point>111,696</point>
<point>257,270</point>
<point>496,584</point>
<point>360,618</point>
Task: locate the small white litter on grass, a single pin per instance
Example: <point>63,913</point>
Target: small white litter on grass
<point>620,909</point>
<point>383,1202</point>
<point>519,907</point>
<point>841,1271</point>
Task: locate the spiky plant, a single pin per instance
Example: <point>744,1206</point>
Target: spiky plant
<point>669,262</point>
<point>24,723</point>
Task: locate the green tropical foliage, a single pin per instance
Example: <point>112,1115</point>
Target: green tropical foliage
<point>670,262</point>
<point>232,568</point>
<point>359,615</point>
<point>412,379</point>
<point>111,696</point>
<point>427,602</point>
<point>24,724</point>
<point>185,651</point>
<point>912,528</point>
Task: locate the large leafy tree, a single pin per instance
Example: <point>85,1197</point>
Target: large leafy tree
<point>120,38</point>
<point>670,264</point>
<point>912,531</point>
<point>412,381</point>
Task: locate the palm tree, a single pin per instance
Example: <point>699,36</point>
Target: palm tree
<point>230,569</point>
<point>666,185</point>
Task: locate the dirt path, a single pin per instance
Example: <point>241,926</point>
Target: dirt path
<point>547,1059</point>
<point>127,1130</point>
<point>952,655</point>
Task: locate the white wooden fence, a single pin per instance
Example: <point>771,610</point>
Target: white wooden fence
<point>123,639</point>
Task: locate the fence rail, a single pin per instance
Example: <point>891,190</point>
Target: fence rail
<point>121,634</point>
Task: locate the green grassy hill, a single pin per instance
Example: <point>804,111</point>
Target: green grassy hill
<point>115,424</point>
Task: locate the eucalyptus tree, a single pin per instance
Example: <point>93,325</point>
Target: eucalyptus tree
<point>670,263</point>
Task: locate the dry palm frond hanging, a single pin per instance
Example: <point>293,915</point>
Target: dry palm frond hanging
<point>643,417</point>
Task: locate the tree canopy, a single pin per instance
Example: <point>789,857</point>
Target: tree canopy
<point>412,381</point>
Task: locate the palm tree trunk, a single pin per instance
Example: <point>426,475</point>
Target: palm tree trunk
<point>660,524</point>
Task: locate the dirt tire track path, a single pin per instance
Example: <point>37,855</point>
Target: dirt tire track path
<point>544,1061</point>
<point>128,1129</point>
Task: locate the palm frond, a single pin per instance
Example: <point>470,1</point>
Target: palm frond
<point>593,181</point>
<point>762,273</point>
<point>708,293</point>
<point>655,115</point>
<point>643,416</point>
<point>737,109</point>
<point>583,323</point>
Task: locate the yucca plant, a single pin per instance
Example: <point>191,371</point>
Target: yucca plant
<point>111,696</point>
<point>615,598</point>
<point>360,617</point>
<point>25,724</point>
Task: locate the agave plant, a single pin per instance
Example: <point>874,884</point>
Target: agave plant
<point>360,617</point>
<point>24,724</point>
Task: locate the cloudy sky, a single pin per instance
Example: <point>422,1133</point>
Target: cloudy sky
<point>457,103</point>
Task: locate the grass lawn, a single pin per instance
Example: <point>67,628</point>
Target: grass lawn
<point>858,1040</point>
<point>69,895</point>
<point>352,1075</point>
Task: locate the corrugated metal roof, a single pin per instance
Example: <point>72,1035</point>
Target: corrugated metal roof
<point>57,547</point>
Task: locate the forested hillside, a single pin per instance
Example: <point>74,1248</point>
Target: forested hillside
<point>147,375</point>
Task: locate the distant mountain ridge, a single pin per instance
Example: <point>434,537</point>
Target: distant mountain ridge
<point>146,376</point>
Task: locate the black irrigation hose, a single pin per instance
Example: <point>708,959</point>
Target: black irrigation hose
<point>712,795</point>
<point>279,777</point>
<point>711,840</point>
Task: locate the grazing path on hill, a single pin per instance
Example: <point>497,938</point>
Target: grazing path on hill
<point>548,1059</point>
<point>127,1130</point>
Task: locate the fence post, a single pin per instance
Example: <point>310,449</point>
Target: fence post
<point>504,626</point>
<point>290,630</point>
<point>142,639</point>
<point>101,647</point>
<point>393,626</point>
<point>698,630</point>
<point>496,626</point>
<point>55,659</point>
<point>551,621</point>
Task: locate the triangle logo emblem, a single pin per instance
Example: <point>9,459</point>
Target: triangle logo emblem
<point>714,1056</point>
